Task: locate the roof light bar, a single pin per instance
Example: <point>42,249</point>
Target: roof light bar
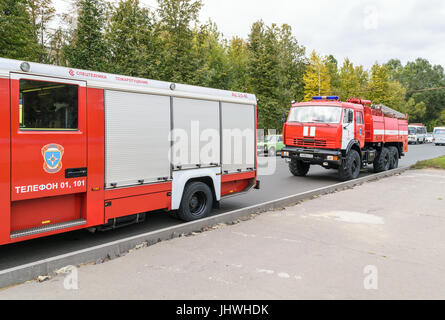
<point>336,98</point>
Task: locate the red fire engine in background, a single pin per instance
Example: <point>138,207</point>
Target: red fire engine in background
<point>346,136</point>
<point>82,149</point>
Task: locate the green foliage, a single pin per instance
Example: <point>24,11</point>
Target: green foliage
<point>274,69</point>
<point>129,38</point>
<point>348,80</point>
<point>237,64</point>
<point>18,34</point>
<point>415,110</point>
<point>41,12</point>
<point>87,47</point>
<point>178,61</point>
<point>316,77</point>
<point>209,53</point>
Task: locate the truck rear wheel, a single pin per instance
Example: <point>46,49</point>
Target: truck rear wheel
<point>350,168</point>
<point>394,158</point>
<point>197,202</point>
<point>298,168</point>
<point>382,162</point>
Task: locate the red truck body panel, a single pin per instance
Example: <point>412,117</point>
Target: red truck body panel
<point>378,128</point>
<point>34,195</point>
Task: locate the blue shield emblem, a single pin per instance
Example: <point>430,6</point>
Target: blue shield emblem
<point>52,155</point>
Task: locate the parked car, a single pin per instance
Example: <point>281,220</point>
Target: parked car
<point>429,138</point>
<point>271,145</point>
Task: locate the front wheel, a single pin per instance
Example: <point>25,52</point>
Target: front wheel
<point>197,202</point>
<point>271,152</point>
<point>350,168</point>
<point>298,168</point>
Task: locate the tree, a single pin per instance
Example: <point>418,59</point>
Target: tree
<point>292,64</point>
<point>421,79</point>
<point>349,82</point>
<point>176,18</point>
<point>209,52</point>
<point>87,48</point>
<point>41,12</point>
<point>379,84</point>
<point>130,39</point>
<point>416,111</point>
<point>56,44</point>
<point>442,117</point>
<point>237,64</point>
<point>418,75</point>
<point>316,78</point>
<point>18,38</point>
<point>396,96</point>
<point>264,73</point>
<point>332,66</point>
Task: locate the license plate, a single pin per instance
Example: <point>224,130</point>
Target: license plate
<point>305,155</point>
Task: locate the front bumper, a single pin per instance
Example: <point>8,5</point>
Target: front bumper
<point>324,157</point>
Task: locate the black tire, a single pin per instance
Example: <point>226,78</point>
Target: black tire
<point>394,158</point>
<point>271,152</point>
<point>350,167</point>
<point>298,168</point>
<point>196,203</point>
<point>382,162</point>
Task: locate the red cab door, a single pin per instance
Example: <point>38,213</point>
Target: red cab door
<point>48,151</point>
<point>360,133</point>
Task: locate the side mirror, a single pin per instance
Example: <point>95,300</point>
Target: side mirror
<point>350,116</point>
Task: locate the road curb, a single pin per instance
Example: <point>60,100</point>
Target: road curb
<point>108,251</point>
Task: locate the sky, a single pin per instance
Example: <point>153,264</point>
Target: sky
<point>363,31</point>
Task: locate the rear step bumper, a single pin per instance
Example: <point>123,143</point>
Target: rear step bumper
<point>49,228</point>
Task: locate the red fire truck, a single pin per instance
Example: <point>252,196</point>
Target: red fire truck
<point>83,149</point>
<point>346,136</point>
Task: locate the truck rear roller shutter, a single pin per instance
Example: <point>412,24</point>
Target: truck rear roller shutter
<point>196,134</point>
<point>238,136</point>
<point>137,128</point>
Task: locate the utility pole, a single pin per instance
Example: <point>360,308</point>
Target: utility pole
<point>319,81</point>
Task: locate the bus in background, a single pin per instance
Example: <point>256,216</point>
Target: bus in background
<point>416,133</point>
<point>439,136</point>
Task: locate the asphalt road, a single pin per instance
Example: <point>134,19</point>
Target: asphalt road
<point>273,186</point>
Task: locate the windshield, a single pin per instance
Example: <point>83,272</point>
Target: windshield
<point>315,114</point>
<point>439,131</point>
<point>270,138</point>
<point>412,130</point>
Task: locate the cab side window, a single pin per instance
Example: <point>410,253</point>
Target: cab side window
<point>48,105</point>
<point>359,116</point>
<point>345,115</point>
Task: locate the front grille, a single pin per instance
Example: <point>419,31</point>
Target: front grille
<point>310,143</point>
